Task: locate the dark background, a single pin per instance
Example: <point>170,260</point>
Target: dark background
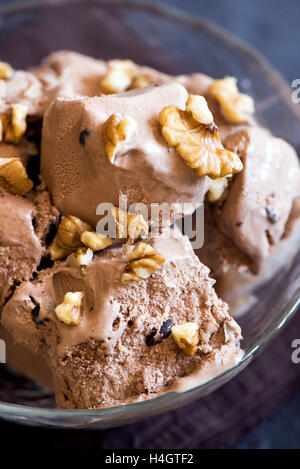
<point>272,27</point>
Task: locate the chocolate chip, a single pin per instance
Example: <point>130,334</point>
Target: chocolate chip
<point>151,340</point>
<point>155,338</point>
<point>271,215</point>
<point>166,327</point>
<point>239,224</point>
<point>83,136</point>
<point>35,312</point>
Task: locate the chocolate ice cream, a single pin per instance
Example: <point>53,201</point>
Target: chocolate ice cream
<point>79,173</point>
<point>25,224</point>
<point>252,216</point>
<point>122,320</point>
<point>123,348</point>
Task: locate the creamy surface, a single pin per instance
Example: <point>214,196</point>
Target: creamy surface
<point>106,360</point>
<point>258,205</point>
<point>145,170</point>
<point>116,320</point>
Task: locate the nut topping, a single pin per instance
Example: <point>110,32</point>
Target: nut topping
<point>236,107</point>
<point>129,225</point>
<point>82,256</point>
<point>217,189</point>
<point>143,262</point>
<point>6,71</point>
<point>116,132</point>
<point>69,311</point>
<point>196,139</point>
<point>68,237</point>
<point>95,241</point>
<point>13,176</point>
<point>14,127</point>
<point>119,77</point>
<point>140,81</point>
<point>186,336</point>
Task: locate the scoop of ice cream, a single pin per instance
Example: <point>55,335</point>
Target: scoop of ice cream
<point>260,198</point>
<point>122,349</point>
<point>22,232</point>
<point>79,173</point>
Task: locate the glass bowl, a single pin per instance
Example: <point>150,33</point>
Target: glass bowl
<point>174,43</point>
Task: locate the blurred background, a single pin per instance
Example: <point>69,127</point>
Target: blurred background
<point>271,27</point>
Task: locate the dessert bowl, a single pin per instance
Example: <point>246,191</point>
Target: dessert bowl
<point>177,44</point>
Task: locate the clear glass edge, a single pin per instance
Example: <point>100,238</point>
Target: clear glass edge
<point>287,310</point>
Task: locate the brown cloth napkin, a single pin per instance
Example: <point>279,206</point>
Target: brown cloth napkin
<point>216,421</point>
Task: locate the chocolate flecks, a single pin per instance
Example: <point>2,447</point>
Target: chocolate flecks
<point>151,340</point>
<point>35,313</point>
<point>271,215</point>
<point>239,224</point>
<point>166,327</point>
<point>155,338</point>
<point>84,134</point>
<point>116,324</point>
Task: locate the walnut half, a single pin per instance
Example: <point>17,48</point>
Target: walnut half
<point>196,139</point>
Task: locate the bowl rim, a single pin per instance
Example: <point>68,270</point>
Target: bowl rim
<point>286,311</point>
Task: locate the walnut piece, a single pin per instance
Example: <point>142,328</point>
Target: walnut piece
<point>186,336</point>
<point>82,256</point>
<point>13,176</point>
<point>143,262</point>
<point>123,75</point>
<point>68,237</point>
<point>119,76</point>
<point>236,107</point>
<point>6,71</point>
<point>70,310</point>
<point>129,225</point>
<point>196,139</point>
<point>95,241</point>
<point>14,126</point>
<point>140,81</point>
<point>217,189</point>
<point>116,132</point>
